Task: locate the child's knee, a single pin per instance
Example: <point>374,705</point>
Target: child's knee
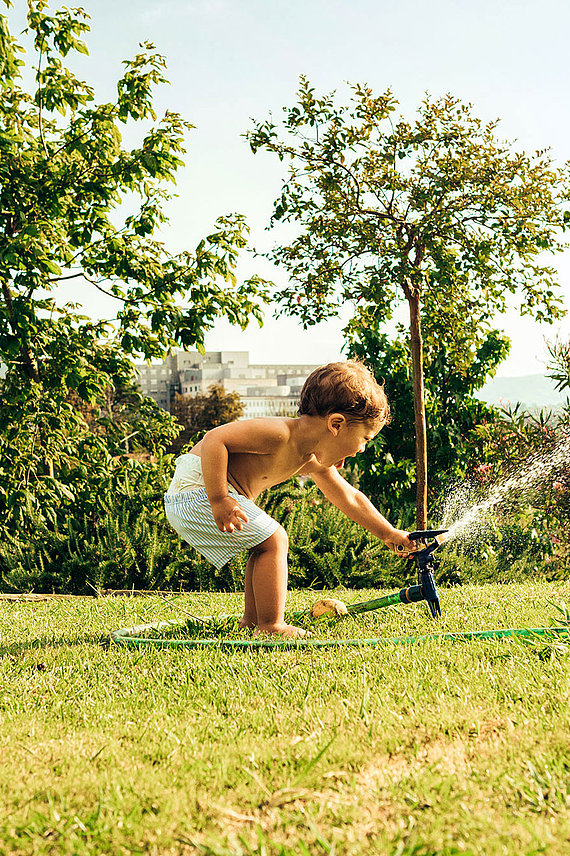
<point>278,542</point>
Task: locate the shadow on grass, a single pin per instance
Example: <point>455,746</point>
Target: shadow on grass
<point>42,642</point>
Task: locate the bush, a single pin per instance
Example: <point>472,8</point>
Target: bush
<point>115,535</point>
<point>525,466</point>
<point>326,548</point>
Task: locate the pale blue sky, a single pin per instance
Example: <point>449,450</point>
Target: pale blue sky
<point>229,60</point>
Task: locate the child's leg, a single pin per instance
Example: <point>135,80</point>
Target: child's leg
<point>269,581</point>
<point>249,618</point>
<point>269,585</point>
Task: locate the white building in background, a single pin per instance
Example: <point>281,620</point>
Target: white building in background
<point>266,390</point>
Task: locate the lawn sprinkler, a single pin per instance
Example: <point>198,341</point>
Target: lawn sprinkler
<point>424,590</point>
<point>423,558</point>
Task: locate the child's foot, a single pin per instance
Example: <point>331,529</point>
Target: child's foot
<point>287,631</point>
<point>246,622</point>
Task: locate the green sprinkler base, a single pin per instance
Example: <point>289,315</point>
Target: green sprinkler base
<point>131,637</point>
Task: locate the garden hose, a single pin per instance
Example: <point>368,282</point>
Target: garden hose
<point>131,637</point>
<point>327,609</point>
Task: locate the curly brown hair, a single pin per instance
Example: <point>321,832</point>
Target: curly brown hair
<point>345,387</point>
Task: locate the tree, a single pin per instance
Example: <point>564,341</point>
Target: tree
<point>128,421</point>
<point>76,204</point>
<point>558,369</point>
<point>198,413</point>
<point>385,470</point>
<point>436,211</point>
<point>64,176</point>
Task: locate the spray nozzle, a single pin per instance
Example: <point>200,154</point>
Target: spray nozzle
<point>423,559</point>
<point>424,534</point>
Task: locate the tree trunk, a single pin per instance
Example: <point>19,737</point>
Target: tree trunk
<point>419,409</point>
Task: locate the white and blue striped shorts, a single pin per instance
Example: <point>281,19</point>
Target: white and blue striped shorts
<point>190,514</point>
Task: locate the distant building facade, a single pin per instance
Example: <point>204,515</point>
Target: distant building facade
<point>265,390</point>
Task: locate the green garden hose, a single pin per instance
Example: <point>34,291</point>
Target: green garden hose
<point>131,636</point>
<point>426,591</point>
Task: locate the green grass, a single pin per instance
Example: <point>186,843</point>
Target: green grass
<point>435,748</point>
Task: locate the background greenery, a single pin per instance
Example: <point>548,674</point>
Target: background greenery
<point>407,751</point>
<point>85,458</point>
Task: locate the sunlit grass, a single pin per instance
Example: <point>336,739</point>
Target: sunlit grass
<point>431,748</point>
<point>465,609</point>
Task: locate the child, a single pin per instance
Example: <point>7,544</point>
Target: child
<point>211,500</point>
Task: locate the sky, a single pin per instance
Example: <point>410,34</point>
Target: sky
<point>231,60</point>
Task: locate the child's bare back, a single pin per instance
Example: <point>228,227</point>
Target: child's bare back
<point>261,452</point>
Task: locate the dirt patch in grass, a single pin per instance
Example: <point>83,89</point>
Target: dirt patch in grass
<point>453,755</point>
<point>354,806</point>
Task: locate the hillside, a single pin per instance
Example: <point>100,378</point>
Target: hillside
<point>532,391</point>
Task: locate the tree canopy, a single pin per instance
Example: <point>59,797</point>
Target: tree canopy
<point>66,183</point>
<point>386,469</point>
<point>77,204</point>
<point>436,211</point>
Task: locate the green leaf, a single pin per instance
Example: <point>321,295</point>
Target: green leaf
<point>51,266</point>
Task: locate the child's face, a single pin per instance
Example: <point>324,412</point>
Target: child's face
<point>350,438</point>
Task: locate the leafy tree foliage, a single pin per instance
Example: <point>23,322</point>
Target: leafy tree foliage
<point>64,174</point>
<point>436,211</point>
<point>128,421</point>
<point>559,364</point>
<point>78,205</point>
<point>386,469</point>
<point>198,413</point>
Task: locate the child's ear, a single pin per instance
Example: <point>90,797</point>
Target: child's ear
<point>335,422</point>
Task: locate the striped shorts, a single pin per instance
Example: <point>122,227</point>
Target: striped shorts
<point>190,514</point>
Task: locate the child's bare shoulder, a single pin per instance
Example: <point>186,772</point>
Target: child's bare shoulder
<point>276,428</point>
<point>266,433</point>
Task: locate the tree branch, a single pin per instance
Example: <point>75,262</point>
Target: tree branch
<point>93,282</point>
<point>40,100</point>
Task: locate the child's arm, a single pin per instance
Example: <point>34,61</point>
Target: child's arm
<point>259,436</point>
<point>358,507</point>
<point>227,512</point>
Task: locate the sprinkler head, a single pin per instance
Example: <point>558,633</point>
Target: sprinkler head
<point>425,534</point>
<point>424,562</point>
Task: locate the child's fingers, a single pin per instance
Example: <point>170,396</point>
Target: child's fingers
<point>240,517</point>
<point>237,518</point>
<point>231,519</point>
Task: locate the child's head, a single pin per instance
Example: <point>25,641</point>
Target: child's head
<point>348,388</point>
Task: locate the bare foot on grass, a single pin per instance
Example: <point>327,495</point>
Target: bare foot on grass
<point>286,631</point>
<point>246,623</point>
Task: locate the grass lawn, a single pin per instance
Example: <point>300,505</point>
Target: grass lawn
<point>433,748</point>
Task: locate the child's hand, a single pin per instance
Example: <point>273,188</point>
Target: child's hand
<point>228,514</point>
<point>399,543</point>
